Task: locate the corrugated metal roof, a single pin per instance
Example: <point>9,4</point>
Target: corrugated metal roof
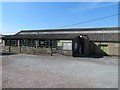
<point>69,29</point>
<point>99,36</point>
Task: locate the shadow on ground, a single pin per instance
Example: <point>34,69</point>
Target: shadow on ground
<point>96,56</point>
<point>93,56</point>
<point>6,53</point>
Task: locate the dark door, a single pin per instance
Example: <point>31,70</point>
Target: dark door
<point>81,46</point>
<point>78,47</point>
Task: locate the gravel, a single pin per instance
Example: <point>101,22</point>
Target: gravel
<point>57,71</point>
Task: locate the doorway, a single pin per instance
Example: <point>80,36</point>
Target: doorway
<point>78,47</point>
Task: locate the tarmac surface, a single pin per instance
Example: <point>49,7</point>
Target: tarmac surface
<point>57,71</point>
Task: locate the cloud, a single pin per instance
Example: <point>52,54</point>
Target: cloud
<point>89,6</point>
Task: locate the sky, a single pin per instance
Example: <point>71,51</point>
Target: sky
<point>17,16</point>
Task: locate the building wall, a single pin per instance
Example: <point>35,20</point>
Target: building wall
<point>86,46</point>
<point>65,46</point>
<point>91,48</point>
<point>2,42</point>
<point>110,48</point>
<point>27,50</point>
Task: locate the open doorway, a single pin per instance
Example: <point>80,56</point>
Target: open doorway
<point>78,47</point>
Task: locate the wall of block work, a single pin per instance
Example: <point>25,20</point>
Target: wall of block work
<point>94,48</point>
<point>26,50</point>
<point>110,48</point>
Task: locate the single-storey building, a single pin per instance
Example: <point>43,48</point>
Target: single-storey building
<point>72,41</point>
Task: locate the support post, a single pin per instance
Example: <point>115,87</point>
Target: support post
<point>3,42</point>
<point>51,48</point>
<point>19,47</point>
<point>36,43</point>
<point>51,51</point>
<point>18,43</point>
<point>10,45</point>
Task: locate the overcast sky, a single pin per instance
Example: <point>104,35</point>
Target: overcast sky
<point>18,16</point>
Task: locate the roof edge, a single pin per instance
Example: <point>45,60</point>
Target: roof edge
<point>68,29</point>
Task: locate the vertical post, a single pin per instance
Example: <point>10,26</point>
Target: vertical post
<point>19,47</point>
<point>3,42</point>
<point>18,42</point>
<point>45,43</point>
<point>30,42</point>
<point>36,43</point>
<point>85,45</point>
<point>9,45</point>
<point>51,48</point>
